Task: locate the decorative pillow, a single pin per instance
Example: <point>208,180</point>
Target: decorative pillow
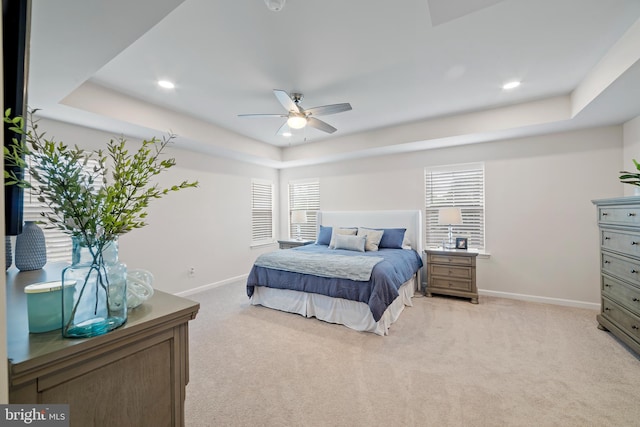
<point>324,236</point>
<point>373,238</point>
<point>343,231</point>
<point>350,242</point>
<point>406,244</point>
<point>392,238</point>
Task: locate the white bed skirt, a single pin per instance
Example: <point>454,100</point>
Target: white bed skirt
<point>355,315</point>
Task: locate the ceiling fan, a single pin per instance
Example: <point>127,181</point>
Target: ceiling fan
<point>298,117</point>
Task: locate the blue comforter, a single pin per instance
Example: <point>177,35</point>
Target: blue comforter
<point>398,266</point>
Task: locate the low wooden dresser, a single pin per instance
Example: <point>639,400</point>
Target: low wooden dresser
<point>133,376</point>
<point>452,272</point>
<point>619,224</point>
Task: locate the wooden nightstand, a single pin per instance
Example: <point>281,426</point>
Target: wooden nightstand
<point>452,272</point>
<point>288,244</point>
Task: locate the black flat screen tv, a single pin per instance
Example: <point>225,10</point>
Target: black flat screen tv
<point>15,60</point>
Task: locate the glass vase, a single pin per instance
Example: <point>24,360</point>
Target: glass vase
<point>98,283</point>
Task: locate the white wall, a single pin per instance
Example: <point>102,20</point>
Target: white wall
<point>208,228</point>
<point>541,226</point>
<point>631,150</point>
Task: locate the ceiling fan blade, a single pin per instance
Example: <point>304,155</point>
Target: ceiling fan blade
<point>320,125</point>
<point>284,128</point>
<point>325,110</point>
<point>286,100</point>
<point>262,115</point>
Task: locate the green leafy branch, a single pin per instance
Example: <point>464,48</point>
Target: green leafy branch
<point>84,201</point>
<point>632,178</point>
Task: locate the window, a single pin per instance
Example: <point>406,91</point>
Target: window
<point>459,186</point>
<point>261,212</point>
<point>304,195</point>
<point>58,243</point>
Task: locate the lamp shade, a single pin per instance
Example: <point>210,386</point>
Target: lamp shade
<point>298,217</point>
<point>449,216</point>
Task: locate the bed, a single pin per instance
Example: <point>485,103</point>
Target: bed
<point>330,282</point>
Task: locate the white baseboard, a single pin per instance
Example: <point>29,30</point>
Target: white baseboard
<point>212,285</point>
<point>545,300</point>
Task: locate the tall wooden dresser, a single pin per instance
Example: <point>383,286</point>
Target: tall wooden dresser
<point>619,223</point>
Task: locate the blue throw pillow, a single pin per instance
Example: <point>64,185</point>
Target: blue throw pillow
<point>392,238</point>
<point>324,236</point>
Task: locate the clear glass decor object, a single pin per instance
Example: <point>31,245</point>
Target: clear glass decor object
<point>98,283</point>
<point>139,287</point>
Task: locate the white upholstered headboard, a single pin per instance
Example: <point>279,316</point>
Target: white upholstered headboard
<point>411,220</point>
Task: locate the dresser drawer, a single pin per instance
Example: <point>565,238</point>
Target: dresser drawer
<point>626,243</point>
<point>621,267</point>
<point>621,293</point>
<point>621,317</point>
<point>450,259</point>
<point>451,271</point>
<point>619,215</point>
<point>452,284</point>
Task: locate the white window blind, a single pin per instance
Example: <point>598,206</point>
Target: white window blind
<point>261,212</point>
<point>459,186</point>
<point>304,195</point>
<point>58,243</point>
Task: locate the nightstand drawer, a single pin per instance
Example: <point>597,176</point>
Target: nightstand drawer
<point>625,295</point>
<point>621,317</point>
<point>624,268</point>
<point>626,243</point>
<point>619,215</point>
<point>452,284</point>
<point>451,271</point>
<point>451,259</point>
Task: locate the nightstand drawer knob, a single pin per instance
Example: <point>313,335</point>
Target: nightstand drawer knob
<point>605,213</point>
<point>606,285</point>
<point>607,309</point>
<point>631,214</point>
<point>633,271</point>
<point>635,300</point>
<point>634,243</point>
<point>607,261</point>
<point>607,238</point>
<point>634,327</point>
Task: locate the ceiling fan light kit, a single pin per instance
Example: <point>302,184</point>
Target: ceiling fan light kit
<point>298,117</point>
<point>297,122</point>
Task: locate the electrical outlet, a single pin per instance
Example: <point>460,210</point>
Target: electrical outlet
<point>192,272</point>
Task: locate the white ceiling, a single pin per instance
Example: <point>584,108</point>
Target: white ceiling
<point>418,73</point>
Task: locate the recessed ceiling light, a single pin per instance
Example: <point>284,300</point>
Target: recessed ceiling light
<point>511,85</point>
<point>287,134</point>
<point>166,84</point>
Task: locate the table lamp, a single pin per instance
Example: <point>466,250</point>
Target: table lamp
<point>450,216</point>
<point>297,218</point>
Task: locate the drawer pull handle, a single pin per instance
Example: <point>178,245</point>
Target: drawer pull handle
<point>607,238</point>
<point>635,300</point>
<point>607,309</point>
<point>634,327</point>
<point>634,243</point>
<point>606,285</point>
<point>605,213</point>
<point>606,261</point>
<point>633,271</point>
<point>631,214</point>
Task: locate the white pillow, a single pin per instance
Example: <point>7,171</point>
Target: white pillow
<point>342,231</point>
<point>373,238</point>
<point>350,242</point>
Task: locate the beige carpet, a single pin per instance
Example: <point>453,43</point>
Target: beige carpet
<point>446,362</point>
